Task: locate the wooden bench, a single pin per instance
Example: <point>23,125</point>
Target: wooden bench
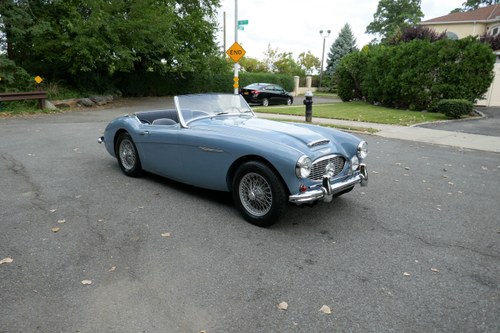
<point>20,96</point>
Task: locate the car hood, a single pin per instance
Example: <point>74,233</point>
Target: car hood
<point>298,137</point>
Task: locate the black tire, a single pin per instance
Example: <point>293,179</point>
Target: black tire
<point>259,194</point>
<point>289,101</point>
<point>265,102</point>
<point>127,155</point>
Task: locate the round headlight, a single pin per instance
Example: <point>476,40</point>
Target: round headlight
<point>354,163</point>
<point>303,167</point>
<point>362,150</point>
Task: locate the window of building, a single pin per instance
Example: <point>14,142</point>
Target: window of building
<point>451,35</point>
<point>494,30</point>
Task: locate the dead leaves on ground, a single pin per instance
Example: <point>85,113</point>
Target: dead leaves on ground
<point>324,309</point>
<point>7,260</point>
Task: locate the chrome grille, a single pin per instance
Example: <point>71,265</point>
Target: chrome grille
<point>318,167</point>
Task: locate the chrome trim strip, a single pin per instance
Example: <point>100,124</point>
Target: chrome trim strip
<point>211,150</point>
<point>318,143</point>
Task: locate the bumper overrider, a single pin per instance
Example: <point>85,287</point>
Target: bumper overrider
<point>327,190</point>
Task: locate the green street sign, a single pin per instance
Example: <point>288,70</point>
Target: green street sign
<point>243,22</point>
<point>240,27</point>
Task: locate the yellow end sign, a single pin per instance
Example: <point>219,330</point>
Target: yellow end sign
<point>236,52</point>
<point>38,79</point>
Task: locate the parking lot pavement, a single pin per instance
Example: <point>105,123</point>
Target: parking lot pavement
<point>95,251</point>
<point>488,125</point>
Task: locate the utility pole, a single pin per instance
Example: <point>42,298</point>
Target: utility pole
<point>236,65</point>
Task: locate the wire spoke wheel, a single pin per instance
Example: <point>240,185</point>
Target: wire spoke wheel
<point>127,154</point>
<point>259,193</point>
<point>255,193</point>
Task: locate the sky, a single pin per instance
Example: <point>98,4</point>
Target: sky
<point>294,25</point>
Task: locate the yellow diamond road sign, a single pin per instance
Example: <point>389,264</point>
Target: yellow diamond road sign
<point>38,80</point>
<point>236,52</point>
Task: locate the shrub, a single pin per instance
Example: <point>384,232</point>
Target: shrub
<point>454,108</point>
<point>13,77</point>
<point>418,73</point>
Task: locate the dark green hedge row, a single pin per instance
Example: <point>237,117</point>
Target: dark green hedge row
<point>156,84</point>
<point>417,74</point>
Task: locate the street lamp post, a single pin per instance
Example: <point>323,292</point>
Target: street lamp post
<point>325,36</point>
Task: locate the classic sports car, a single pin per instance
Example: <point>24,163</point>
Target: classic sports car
<point>215,141</point>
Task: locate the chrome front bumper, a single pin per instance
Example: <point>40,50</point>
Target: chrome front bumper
<point>328,190</point>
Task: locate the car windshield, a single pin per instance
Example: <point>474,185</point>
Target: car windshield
<point>195,106</point>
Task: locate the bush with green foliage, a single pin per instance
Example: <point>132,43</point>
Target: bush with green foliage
<point>454,108</point>
<point>418,73</point>
<point>14,78</point>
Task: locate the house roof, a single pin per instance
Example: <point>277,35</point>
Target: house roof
<point>485,14</point>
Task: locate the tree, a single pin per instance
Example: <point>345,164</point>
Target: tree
<point>342,46</point>
<point>270,57</point>
<point>285,64</point>
<point>394,15</point>
<point>308,62</point>
<point>475,4</point>
<point>64,38</point>
<point>252,65</point>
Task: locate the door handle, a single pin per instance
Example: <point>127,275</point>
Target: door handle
<point>144,133</point>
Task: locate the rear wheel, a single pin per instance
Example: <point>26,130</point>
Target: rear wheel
<point>259,194</point>
<point>265,102</point>
<point>127,155</point>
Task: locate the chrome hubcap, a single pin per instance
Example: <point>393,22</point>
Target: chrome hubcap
<point>127,154</point>
<point>255,194</point>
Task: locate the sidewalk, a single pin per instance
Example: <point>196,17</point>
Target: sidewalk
<point>418,134</point>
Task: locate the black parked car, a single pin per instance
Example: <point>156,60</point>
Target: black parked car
<point>266,93</point>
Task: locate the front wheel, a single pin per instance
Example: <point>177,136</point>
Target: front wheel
<point>265,102</point>
<point>259,194</point>
<point>289,101</point>
<point>127,155</point>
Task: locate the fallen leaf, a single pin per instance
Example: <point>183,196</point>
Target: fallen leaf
<point>112,269</point>
<point>78,196</point>
<point>484,168</point>
<point>450,183</point>
<point>165,234</point>
<point>6,260</point>
<point>56,229</point>
<point>86,282</point>
<point>100,220</point>
<point>406,274</point>
<point>435,270</point>
<point>283,306</point>
<point>326,309</point>
<point>407,168</point>
<point>61,221</point>
<point>53,210</point>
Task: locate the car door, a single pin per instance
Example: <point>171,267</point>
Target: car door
<point>271,93</point>
<point>159,150</point>
<point>281,94</point>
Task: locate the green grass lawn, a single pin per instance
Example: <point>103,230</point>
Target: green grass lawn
<point>359,111</point>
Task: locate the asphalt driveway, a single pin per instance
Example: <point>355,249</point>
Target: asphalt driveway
<point>487,125</point>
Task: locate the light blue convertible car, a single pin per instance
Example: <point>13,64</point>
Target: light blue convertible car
<point>215,141</point>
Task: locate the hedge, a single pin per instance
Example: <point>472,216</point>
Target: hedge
<point>417,74</point>
<point>155,84</point>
